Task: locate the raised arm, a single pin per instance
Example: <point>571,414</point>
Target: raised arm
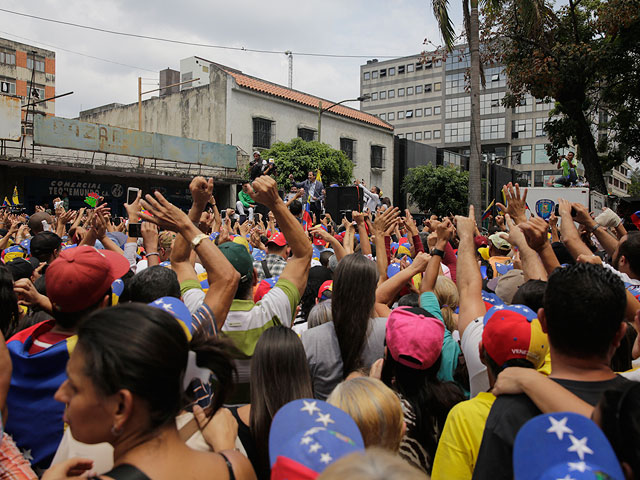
<point>264,190</point>
<point>444,232</point>
<point>365,245</point>
<point>531,264</point>
<point>389,289</point>
<point>570,235</point>
<point>338,249</point>
<point>608,241</point>
<point>516,202</point>
<point>469,278</point>
<point>535,231</point>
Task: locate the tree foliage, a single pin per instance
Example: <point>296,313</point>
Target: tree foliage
<point>438,190</point>
<point>634,187</point>
<point>298,157</point>
<point>584,56</point>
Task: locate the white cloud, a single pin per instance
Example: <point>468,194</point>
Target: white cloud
<point>376,27</point>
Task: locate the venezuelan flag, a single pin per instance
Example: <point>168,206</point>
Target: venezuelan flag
<point>489,209</point>
<point>15,198</point>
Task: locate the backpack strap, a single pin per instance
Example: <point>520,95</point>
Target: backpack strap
<point>265,269</point>
<point>126,472</point>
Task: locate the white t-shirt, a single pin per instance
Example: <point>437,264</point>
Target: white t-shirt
<point>471,338</point>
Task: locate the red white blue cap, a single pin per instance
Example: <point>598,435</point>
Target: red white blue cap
<point>563,446</point>
<point>307,435</point>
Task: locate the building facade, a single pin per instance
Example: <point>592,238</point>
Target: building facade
<point>253,114</point>
<point>426,100</point>
<point>21,64</point>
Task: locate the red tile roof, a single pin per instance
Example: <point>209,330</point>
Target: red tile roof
<point>303,98</point>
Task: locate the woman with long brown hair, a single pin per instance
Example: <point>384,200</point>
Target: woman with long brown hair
<point>354,339</point>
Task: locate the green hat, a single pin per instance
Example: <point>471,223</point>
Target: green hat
<point>499,242</point>
<point>239,257</point>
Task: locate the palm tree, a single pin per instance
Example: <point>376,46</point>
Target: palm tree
<point>472,28</point>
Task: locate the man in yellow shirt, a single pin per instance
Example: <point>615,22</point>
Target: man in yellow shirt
<point>512,336</point>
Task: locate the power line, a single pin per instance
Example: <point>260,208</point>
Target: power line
<point>193,44</point>
<point>78,53</point>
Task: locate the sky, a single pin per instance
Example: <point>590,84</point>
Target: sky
<point>373,28</point>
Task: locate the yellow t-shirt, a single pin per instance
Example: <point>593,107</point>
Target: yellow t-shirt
<point>461,438</point>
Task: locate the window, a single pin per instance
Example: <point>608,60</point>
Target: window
<point>457,107</point>
<point>526,104</point>
<point>401,92</point>
<point>418,112</point>
<point>418,135</point>
<point>409,136</point>
<point>409,114</point>
<point>437,87</point>
<point>427,135</point>
<point>392,93</point>
<point>427,88</point>
<point>542,105</point>
<point>437,63</point>
<point>410,68</point>
<point>39,63</point>
<point>348,146</point>
<point>8,58</point>
<point>306,134</point>
<point>436,110</point>
<point>545,178</point>
<point>428,64</point>
<point>491,103</point>
<point>436,134</point>
<point>492,129</point>
<point>383,72</point>
<point>521,155</point>
<point>418,66</point>
<point>38,93</point>
<point>383,116</point>
<point>374,96</point>
<point>391,116</point>
<point>458,59</point>
<point>418,89</point>
<point>374,75</point>
<point>401,135</point>
<point>540,154</point>
<point>454,83</point>
<point>262,131</point>
<point>427,112</point>
<point>400,69</point>
<point>495,77</point>
<point>383,94</point>
<point>409,90</point>
<point>522,128</point>
<point>367,75</point>
<point>457,132</point>
<point>392,71</point>
<point>7,86</point>
<point>540,123</point>
<point>377,156</point>
<point>400,114</point>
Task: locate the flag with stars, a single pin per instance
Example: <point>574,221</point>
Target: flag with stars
<point>307,435</point>
<point>491,300</point>
<point>563,446</point>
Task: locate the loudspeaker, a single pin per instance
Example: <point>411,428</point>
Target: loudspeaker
<point>340,199</point>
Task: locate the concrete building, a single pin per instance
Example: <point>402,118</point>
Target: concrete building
<point>228,106</point>
<point>426,101</point>
<point>19,65</point>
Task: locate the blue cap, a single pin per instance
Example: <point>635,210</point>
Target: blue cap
<point>563,445</point>
<point>26,244</point>
<point>178,309</point>
<point>259,255</point>
<point>392,269</point>
<point>313,434</point>
<point>117,287</point>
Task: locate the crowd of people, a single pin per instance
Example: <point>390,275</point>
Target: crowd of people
<point>279,346</point>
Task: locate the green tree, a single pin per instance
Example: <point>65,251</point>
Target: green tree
<point>298,157</point>
<point>584,56</point>
<point>438,190</point>
<point>634,187</point>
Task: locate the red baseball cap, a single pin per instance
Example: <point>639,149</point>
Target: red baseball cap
<point>328,285</point>
<point>513,331</point>
<point>278,239</point>
<point>414,338</point>
<point>480,241</point>
<point>80,277</point>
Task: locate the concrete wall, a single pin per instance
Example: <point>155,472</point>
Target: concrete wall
<point>197,113</point>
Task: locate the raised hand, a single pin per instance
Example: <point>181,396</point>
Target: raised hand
<point>466,225</point>
<point>164,213</point>
<point>264,190</point>
<point>201,191</point>
<point>516,202</point>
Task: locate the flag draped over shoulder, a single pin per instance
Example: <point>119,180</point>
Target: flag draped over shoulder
<point>35,421</point>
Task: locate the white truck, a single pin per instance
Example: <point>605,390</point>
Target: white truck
<point>542,200</point>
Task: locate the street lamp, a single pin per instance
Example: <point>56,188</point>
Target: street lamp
<point>321,110</point>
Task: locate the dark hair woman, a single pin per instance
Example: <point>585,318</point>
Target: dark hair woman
<point>9,311</point>
<point>126,385</point>
<point>279,375</point>
<point>353,340</point>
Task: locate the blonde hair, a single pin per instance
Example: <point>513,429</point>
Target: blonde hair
<point>447,294</point>
<point>372,464</point>
<point>375,409</point>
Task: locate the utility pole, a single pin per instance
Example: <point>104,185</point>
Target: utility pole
<point>289,54</point>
